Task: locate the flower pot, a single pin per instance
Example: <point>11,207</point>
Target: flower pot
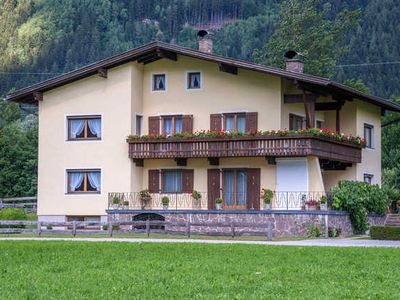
<point>144,202</point>
<point>218,206</point>
<point>196,204</point>
<point>311,207</point>
<point>165,206</point>
<point>115,206</point>
<point>267,206</point>
<point>323,206</point>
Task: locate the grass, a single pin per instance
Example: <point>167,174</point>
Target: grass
<point>82,270</point>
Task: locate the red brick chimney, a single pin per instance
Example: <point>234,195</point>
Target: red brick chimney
<point>205,41</point>
<point>293,62</point>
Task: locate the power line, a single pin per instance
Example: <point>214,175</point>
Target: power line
<point>369,64</point>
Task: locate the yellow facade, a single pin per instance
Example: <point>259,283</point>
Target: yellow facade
<point>127,93</point>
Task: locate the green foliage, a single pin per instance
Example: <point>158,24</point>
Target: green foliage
<point>196,195</point>
<point>12,214</point>
<point>206,271</point>
<point>115,200</point>
<point>165,200</point>
<point>267,196</point>
<point>359,199</point>
<point>358,85</point>
<point>314,230</point>
<point>385,233</point>
<point>306,28</point>
<point>323,199</point>
<point>218,200</point>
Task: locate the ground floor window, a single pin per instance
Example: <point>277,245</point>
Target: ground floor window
<point>83,181</point>
<point>234,189</point>
<point>95,219</point>
<point>368,178</point>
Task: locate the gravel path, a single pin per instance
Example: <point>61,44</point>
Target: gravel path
<point>317,242</point>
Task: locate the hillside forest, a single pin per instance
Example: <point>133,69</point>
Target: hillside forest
<point>351,41</point>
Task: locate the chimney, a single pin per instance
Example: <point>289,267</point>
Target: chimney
<point>293,62</point>
<point>205,41</point>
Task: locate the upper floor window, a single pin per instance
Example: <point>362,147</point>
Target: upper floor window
<point>194,80</point>
<point>139,121</point>
<point>83,181</point>
<point>368,178</point>
<point>320,124</point>
<point>171,124</point>
<point>84,128</point>
<point>296,122</point>
<point>235,122</point>
<point>159,82</point>
<point>369,135</point>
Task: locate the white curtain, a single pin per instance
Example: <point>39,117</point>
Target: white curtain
<point>95,127</point>
<point>241,188</point>
<point>160,82</point>
<point>178,125</point>
<point>172,181</point>
<point>167,125</point>
<point>230,123</point>
<point>229,188</point>
<point>241,123</point>
<point>76,127</point>
<point>95,180</point>
<point>195,80</point>
<point>75,180</point>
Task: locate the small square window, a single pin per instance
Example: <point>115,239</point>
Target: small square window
<point>369,135</point>
<point>194,80</point>
<point>139,125</point>
<point>368,178</point>
<point>159,83</point>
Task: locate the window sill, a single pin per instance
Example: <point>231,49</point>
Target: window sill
<point>87,139</point>
<point>83,193</point>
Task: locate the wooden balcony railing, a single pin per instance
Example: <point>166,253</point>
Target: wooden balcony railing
<point>248,146</point>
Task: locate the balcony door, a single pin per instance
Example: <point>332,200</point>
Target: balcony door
<point>234,195</point>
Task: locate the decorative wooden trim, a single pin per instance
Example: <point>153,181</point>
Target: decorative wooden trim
<point>328,106</point>
<point>298,98</point>
<point>167,54</point>
<point>182,162</point>
<point>102,72</point>
<point>138,162</point>
<point>38,96</point>
<point>213,161</point>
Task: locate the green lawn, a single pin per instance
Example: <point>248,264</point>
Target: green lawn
<point>76,270</point>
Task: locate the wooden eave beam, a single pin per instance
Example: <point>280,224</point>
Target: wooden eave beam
<point>146,57</point>
<point>213,161</point>
<point>38,96</point>
<point>228,68</point>
<point>167,54</point>
<point>138,162</point>
<point>298,98</point>
<point>182,162</point>
<point>328,106</point>
<point>102,72</point>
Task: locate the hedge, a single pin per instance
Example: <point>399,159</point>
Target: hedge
<point>385,233</point>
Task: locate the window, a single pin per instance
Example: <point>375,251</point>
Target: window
<point>235,122</point>
<point>172,181</point>
<point>159,82</point>
<point>171,124</point>
<point>234,189</point>
<point>320,124</point>
<point>139,125</point>
<point>83,181</point>
<point>194,80</point>
<point>368,178</point>
<point>84,128</point>
<point>94,219</point>
<point>296,122</point>
<point>369,135</point>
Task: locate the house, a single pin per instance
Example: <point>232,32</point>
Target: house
<point>175,120</point>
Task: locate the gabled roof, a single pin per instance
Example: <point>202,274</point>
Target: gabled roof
<point>157,50</point>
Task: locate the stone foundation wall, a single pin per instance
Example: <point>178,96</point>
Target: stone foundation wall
<point>284,224</point>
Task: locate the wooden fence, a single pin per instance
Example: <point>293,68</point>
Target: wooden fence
<point>29,204</point>
<point>109,228</point>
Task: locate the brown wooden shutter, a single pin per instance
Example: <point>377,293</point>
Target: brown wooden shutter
<point>213,187</point>
<point>154,181</point>
<point>251,121</point>
<point>253,189</point>
<point>154,125</point>
<point>187,123</point>
<point>187,181</point>
<point>215,122</point>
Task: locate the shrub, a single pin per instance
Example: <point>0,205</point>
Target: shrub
<point>165,200</point>
<point>267,196</point>
<point>218,200</point>
<point>115,200</point>
<point>126,203</point>
<point>12,214</point>
<point>385,233</point>
<point>196,195</point>
<point>359,199</point>
<point>114,227</point>
<point>334,232</point>
<point>323,199</point>
<point>145,194</point>
<point>314,230</point>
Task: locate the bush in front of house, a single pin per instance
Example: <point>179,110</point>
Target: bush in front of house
<point>359,199</point>
<point>385,233</point>
<point>12,214</point>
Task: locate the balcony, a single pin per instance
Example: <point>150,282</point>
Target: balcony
<point>269,146</point>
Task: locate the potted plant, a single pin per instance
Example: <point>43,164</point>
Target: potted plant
<point>218,203</point>
<point>145,198</point>
<point>115,202</point>
<point>196,196</point>
<point>323,203</point>
<point>126,204</point>
<point>165,202</point>
<point>311,204</point>
<point>267,197</point>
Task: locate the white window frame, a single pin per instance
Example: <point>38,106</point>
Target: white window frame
<point>187,80</point>
<point>369,175</point>
<point>152,82</point>
<point>66,137</point>
<point>83,193</point>
<point>141,123</point>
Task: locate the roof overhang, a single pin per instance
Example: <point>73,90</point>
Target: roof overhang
<point>158,50</point>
